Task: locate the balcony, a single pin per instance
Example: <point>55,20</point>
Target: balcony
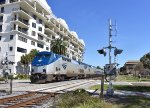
<point>12,1</point>
<point>21,12</point>
<point>23,30</point>
<point>76,49</point>
<point>48,30</point>
<point>24,21</point>
<point>20,29</point>
<point>21,22</point>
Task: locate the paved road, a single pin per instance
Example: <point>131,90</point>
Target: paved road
<point>21,86</point>
<point>25,85</point>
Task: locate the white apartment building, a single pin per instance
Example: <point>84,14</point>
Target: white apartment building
<point>30,24</point>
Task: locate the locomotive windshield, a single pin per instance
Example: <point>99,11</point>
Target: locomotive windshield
<point>40,56</point>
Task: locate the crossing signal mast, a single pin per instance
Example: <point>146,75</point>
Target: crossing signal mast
<point>110,69</point>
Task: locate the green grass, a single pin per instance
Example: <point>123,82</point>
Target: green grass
<point>2,79</point>
<point>81,99</point>
<point>124,87</point>
<point>130,78</point>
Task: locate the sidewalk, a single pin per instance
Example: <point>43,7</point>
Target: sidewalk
<point>131,93</point>
<point>124,93</point>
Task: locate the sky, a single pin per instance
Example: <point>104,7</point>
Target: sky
<point>89,18</point>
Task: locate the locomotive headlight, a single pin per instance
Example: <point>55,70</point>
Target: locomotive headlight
<point>32,70</point>
<point>44,70</point>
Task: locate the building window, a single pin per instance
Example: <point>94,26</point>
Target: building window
<point>53,37</point>
<point>0,28</point>
<point>22,39</point>
<point>47,48</point>
<point>0,38</point>
<point>40,45</point>
<point>0,49</point>
<point>40,29</point>
<point>34,16</point>
<point>11,37</point>
<point>2,9</point>
<point>33,33</point>
<point>1,18</point>
<point>47,40</point>
<point>34,25</point>
<point>33,43</point>
<point>22,50</point>
<point>40,37</point>
<point>11,48</point>
<point>40,21</point>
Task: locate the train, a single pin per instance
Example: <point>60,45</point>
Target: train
<point>48,66</point>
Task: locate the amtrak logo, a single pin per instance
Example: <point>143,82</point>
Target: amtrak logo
<point>39,60</point>
<point>64,65</point>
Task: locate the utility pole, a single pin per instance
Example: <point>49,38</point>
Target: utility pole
<point>110,40</point>
<point>110,69</point>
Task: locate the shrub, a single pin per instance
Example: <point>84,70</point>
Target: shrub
<point>81,99</point>
<point>22,76</point>
<point>2,79</point>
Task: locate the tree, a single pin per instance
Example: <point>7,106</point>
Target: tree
<point>138,67</point>
<point>58,47</point>
<point>146,60</point>
<point>98,67</point>
<point>27,59</point>
<point>123,70</point>
<point>32,54</point>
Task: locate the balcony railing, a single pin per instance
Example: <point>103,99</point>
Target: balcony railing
<point>17,9</point>
<point>23,30</point>
<point>12,1</point>
<point>26,22</point>
<point>23,21</point>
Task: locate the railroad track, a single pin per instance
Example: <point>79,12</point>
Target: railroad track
<point>25,100</point>
<point>36,98</point>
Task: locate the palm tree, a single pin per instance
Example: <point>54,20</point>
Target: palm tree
<point>58,47</point>
<point>27,59</point>
<point>33,53</point>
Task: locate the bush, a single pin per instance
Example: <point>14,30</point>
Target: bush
<point>80,99</point>
<point>22,76</point>
<point>2,79</point>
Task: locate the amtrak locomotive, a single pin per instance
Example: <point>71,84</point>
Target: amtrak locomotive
<point>48,66</point>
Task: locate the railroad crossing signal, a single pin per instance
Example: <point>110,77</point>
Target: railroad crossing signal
<point>102,51</point>
<point>110,69</point>
<point>117,51</point>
